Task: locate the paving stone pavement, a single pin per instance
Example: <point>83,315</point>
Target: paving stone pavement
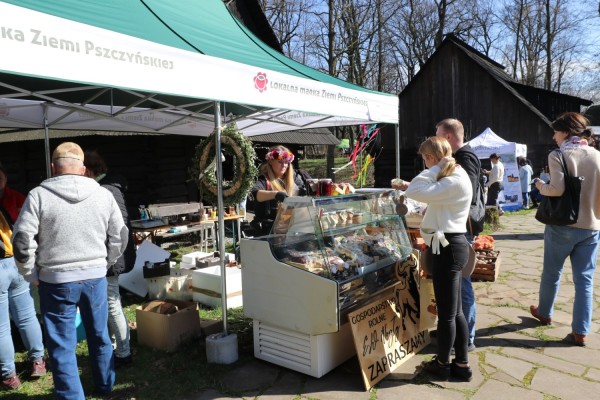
<point>516,358</point>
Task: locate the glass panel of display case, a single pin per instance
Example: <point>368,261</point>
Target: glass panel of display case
<point>341,237</point>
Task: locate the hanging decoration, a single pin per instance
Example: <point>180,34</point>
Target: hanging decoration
<point>365,139</point>
<point>203,170</point>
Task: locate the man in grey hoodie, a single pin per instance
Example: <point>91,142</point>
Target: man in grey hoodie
<point>69,232</point>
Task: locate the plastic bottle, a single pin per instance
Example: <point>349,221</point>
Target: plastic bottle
<point>143,213</point>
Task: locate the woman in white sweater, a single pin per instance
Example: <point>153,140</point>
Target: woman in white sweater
<point>447,190</point>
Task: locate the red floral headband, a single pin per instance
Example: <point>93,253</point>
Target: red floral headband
<point>282,155</point>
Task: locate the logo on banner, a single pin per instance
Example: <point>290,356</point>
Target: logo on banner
<point>261,81</point>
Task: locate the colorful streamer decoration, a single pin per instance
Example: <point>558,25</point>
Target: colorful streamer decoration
<point>361,177</point>
<point>365,138</point>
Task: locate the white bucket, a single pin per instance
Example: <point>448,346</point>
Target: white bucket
<point>221,349</point>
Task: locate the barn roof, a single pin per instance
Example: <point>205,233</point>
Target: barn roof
<point>497,72</point>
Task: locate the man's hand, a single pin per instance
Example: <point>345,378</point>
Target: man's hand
<point>36,283</point>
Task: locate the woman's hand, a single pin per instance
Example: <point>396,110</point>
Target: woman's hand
<point>399,184</point>
<point>281,196</point>
<point>444,161</point>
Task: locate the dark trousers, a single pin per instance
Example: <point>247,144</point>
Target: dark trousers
<point>452,329</point>
<point>493,191</point>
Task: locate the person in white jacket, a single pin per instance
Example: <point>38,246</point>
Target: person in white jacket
<point>447,190</point>
<point>495,180</point>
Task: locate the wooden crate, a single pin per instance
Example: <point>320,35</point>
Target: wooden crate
<point>487,269</point>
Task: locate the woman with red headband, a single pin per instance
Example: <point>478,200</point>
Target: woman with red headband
<point>276,181</point>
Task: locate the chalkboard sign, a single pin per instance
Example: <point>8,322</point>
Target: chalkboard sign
<point>386,332</point>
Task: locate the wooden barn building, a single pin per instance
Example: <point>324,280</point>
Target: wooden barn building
<point>460,82</point>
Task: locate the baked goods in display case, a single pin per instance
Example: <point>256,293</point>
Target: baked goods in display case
<point>340,237</point>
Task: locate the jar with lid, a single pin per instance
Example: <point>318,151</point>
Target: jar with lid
<point>325,187</point>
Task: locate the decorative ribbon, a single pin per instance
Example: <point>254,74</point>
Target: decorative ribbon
<point>434,239</point>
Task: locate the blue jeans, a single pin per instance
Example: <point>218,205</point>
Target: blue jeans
<point>525,199</point>
<point>15,298</point>
<point>581,245</point>
<point>468,306</point>
<point>117,322</point>
<point>59,303</point>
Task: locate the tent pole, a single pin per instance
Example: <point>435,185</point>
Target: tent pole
<point>47,142</point>
<point>220,213</point>
<point>397,131</point>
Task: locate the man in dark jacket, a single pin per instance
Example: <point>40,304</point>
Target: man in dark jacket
<point>453,131</point>
<point>117,322</point>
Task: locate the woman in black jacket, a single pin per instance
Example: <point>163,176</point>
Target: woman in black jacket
<point>277,180</point>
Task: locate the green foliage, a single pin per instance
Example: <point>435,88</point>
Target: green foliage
<point>236,145</point>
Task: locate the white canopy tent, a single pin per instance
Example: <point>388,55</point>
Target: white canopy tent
<point>489,142</point>
<point>184,67</point>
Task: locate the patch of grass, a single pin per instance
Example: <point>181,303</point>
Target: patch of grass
<point>154,374</point>
<point>522,211</point>
<point>529,376</point>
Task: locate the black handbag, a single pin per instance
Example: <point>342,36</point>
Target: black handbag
<point>562,210</point>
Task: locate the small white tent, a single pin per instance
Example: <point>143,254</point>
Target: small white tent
<point>489,142</point>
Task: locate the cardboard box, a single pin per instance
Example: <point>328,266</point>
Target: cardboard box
<point>210,327</point>
<point>206,286</point>
<point>167,331</point>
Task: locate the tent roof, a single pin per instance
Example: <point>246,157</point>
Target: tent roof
<point>172,56</point>
<point>488,142</point>
<point>488,138</point>
<point>315,136</point>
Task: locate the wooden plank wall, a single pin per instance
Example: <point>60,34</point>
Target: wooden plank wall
<point>156,167</point>
<point>453,85</point>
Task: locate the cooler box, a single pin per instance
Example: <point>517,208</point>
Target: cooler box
<point>173,287</point>
<point>206,286</point>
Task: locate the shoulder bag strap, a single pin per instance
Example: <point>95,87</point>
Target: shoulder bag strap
<point>564,163</point>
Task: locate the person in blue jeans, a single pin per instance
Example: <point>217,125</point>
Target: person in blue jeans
<point>452,130</point>
<point>16,300</point>
<point>69,231</point>
<point>579,241</point>
<point>15,297</point>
